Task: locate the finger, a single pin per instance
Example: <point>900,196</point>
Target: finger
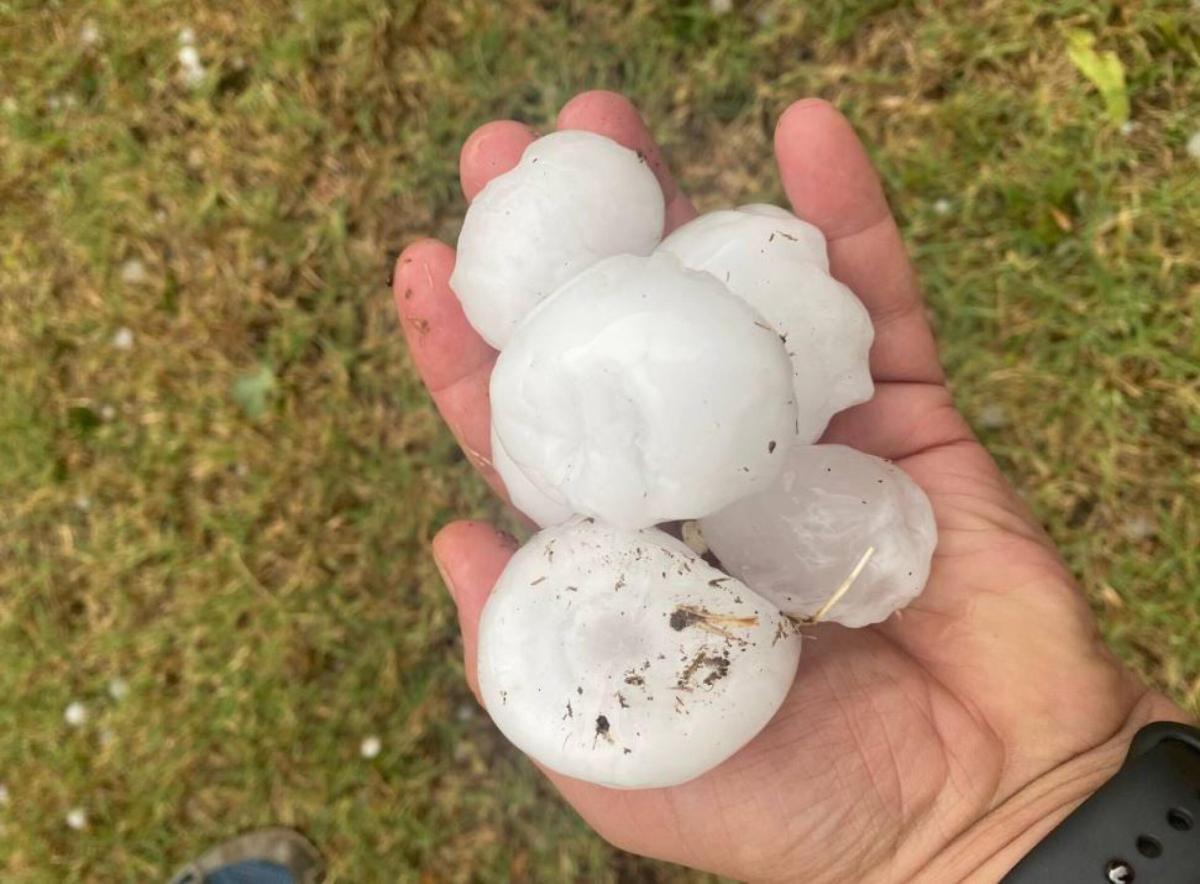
<point>613,115</point>
<point>899,421</point>
<point>831,183</point>
<point>470,557</point>
<point>453,361</point>
<point>491,150</point>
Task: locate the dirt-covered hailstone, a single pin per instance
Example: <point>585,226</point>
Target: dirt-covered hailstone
<point>622,658</point>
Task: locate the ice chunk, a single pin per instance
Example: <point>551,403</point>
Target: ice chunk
<point>574,198</point>
<point>778,264</point>
<point>798,541</point>
<point>642,392</point>
<point>622,658</point>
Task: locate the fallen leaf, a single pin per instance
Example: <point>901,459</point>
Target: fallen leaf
<point>1103,70</point>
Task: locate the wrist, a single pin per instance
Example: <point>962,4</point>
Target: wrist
<point>992,845</point>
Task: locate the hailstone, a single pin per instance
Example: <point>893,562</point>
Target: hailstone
<point>622,658</point>
<point>642,392</point>
<point>778,264</point>
<point>798,541</point>
<point>523,494</point>
<point>574,198</point>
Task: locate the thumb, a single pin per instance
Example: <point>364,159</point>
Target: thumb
<point>470,557</point>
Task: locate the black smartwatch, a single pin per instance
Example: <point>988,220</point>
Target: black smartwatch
<point>1141,826</point>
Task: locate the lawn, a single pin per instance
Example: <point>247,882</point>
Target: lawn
<point>219,475</point>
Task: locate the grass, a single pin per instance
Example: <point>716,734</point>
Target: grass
<point>232,514</point>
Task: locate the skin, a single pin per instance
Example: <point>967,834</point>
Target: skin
<point>938,746</point>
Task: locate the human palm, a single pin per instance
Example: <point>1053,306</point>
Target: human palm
<point>939,745</point>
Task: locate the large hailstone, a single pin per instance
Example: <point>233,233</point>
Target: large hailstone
<point>622,658</point>
<point>523,494</point>
<point>779,265</point>
<point>796,543</point>
<point>643,392</point>
<point>574,198</point>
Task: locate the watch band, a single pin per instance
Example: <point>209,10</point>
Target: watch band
<point>1141,826</point>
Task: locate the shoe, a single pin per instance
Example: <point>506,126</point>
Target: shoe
<point>285,848</point>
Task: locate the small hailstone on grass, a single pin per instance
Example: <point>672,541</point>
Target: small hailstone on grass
<point>574,198</point>
<point>643,392</point>
<point>107,413</point>
<point>778,265</point>
<point>187,36</point>
<point>89,34</point>
<point>122,338</point>
<point>623,658</point>
<point>1138,528</point>
<point>133,272</point>
<point>1193,146</point>
<point>76,714</point>
<point>54,102</point>
<point>1127,128</point>
<point>833,507</point>
<point>942,206</point>
<point>993,416</point>
<point>370,747</point>
<point>83,503</point>
<point>118,689</point>
<point>191,68</point>
<point>77,819</point>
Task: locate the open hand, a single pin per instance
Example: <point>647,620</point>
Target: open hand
<point>940,745</point>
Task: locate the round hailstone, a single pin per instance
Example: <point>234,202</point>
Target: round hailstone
<point>133,272</point>
<point>622,658</point>
<point>574,198</point>
<point>543,509</point>
<point>76,714</point>
<point>77,819</point>
<point>798,542</point>
<point>122,339</point>
<point>370,747</point>
<point>643,392</point>
<point>1193,146</point>
<point>778,264</point>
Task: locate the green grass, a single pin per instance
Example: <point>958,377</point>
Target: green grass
<point>254,566</point>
